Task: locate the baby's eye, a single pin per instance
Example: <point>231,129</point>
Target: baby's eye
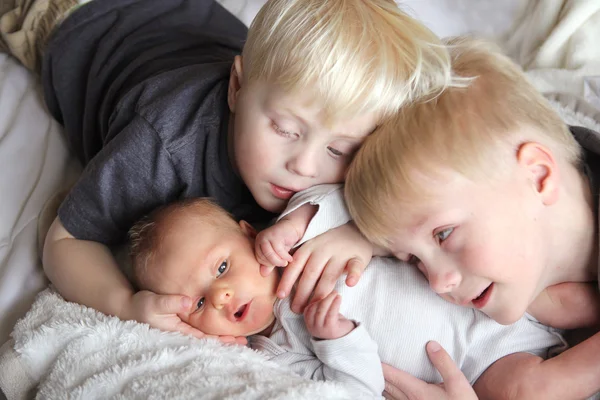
<point>445,234</point>
<point>200,304</point>
<point>222,268</point>
<point>335,152</point>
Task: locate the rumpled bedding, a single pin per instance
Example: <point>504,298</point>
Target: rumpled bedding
<point>554,40</point>
<point>64,350</point>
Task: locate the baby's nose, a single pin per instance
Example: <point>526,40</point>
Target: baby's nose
<point>221,297</point>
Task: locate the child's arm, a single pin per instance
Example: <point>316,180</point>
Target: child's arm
<point>573,374</point>
<point>85,272</point>
<point>568,305</point>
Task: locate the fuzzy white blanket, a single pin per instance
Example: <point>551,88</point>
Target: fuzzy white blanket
<point>67,351</point>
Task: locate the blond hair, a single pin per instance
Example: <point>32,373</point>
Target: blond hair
<point>146,235</point>
<point>354,56</point>
<point>469,130</point>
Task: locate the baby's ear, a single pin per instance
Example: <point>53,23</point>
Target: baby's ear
<point>235,82</point>
<point>248,229</point>
<point>542,170</point>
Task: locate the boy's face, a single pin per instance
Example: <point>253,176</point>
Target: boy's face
<point>281,145</point>
<point>217,268</point>
<point>478,243</point>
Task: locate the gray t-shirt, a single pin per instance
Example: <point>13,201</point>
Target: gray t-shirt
<point>590,141</point>
<point>141,89</point>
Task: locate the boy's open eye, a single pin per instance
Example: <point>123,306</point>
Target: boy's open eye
<point>222,268</point>
<point>200,304</point>
<point>444,234</point>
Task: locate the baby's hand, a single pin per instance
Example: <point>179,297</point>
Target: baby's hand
<point>161,312</point>
<point>324,321</point>
<point>272,245</point>
<point>322,260</point>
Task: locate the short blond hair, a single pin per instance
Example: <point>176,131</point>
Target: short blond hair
<point>467,130</point>
<point>146,235</point>
<point>352,56</point>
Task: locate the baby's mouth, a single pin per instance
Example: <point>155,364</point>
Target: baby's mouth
<point>241,312</point>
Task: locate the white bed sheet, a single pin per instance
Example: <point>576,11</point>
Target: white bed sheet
<point>34,161</point>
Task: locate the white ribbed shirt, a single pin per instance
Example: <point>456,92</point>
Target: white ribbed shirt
<point>398,314</point>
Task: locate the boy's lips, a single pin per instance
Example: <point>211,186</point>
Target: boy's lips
<point>483,298</point>
<point>281,192</point>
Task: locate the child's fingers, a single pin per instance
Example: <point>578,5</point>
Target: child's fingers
<point>283,253</point>
<point>171,304</point>
<point>331,273</point>
<point>333,314</point>
<point>323,307</point>
<point>266,270</point>
<point>189,330</point>
<point>455,382</point>
<point>291,274</point>
<point>400,384</point>
<point>308,280</point>
<point>354,269</point>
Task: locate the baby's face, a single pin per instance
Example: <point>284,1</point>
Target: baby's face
<point>477,243</point>
<point>216,267</point>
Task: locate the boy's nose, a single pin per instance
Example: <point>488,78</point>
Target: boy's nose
<point>221,297</point>
<point>443,281</point>
<point>304,164</point>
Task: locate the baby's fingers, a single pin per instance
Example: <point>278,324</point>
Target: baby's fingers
<point>323,309</point>
<point>270,256</point>
<point>333,314</point>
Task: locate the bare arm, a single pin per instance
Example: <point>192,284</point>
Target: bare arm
<point>573,374</point>
<point>85,272</point>
<point>568,305</point>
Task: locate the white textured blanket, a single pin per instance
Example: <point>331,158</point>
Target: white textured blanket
<point>71,351</point>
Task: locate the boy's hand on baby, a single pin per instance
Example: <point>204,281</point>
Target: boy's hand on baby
<point>323,319</point>
<point>402,385</point>
<point>272,245</point>
<point>161,312</point>
<point>322,260</point>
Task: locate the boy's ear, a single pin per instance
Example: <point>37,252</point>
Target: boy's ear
<point>235,82</point>
<point>248,229</point>
<point>543,171</point>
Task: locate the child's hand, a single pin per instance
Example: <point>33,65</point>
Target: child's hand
<point>323,319</point>
<point>401,385</point>
<point>322,260</point>
<point>272,245</point>
<point>160,311</point>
